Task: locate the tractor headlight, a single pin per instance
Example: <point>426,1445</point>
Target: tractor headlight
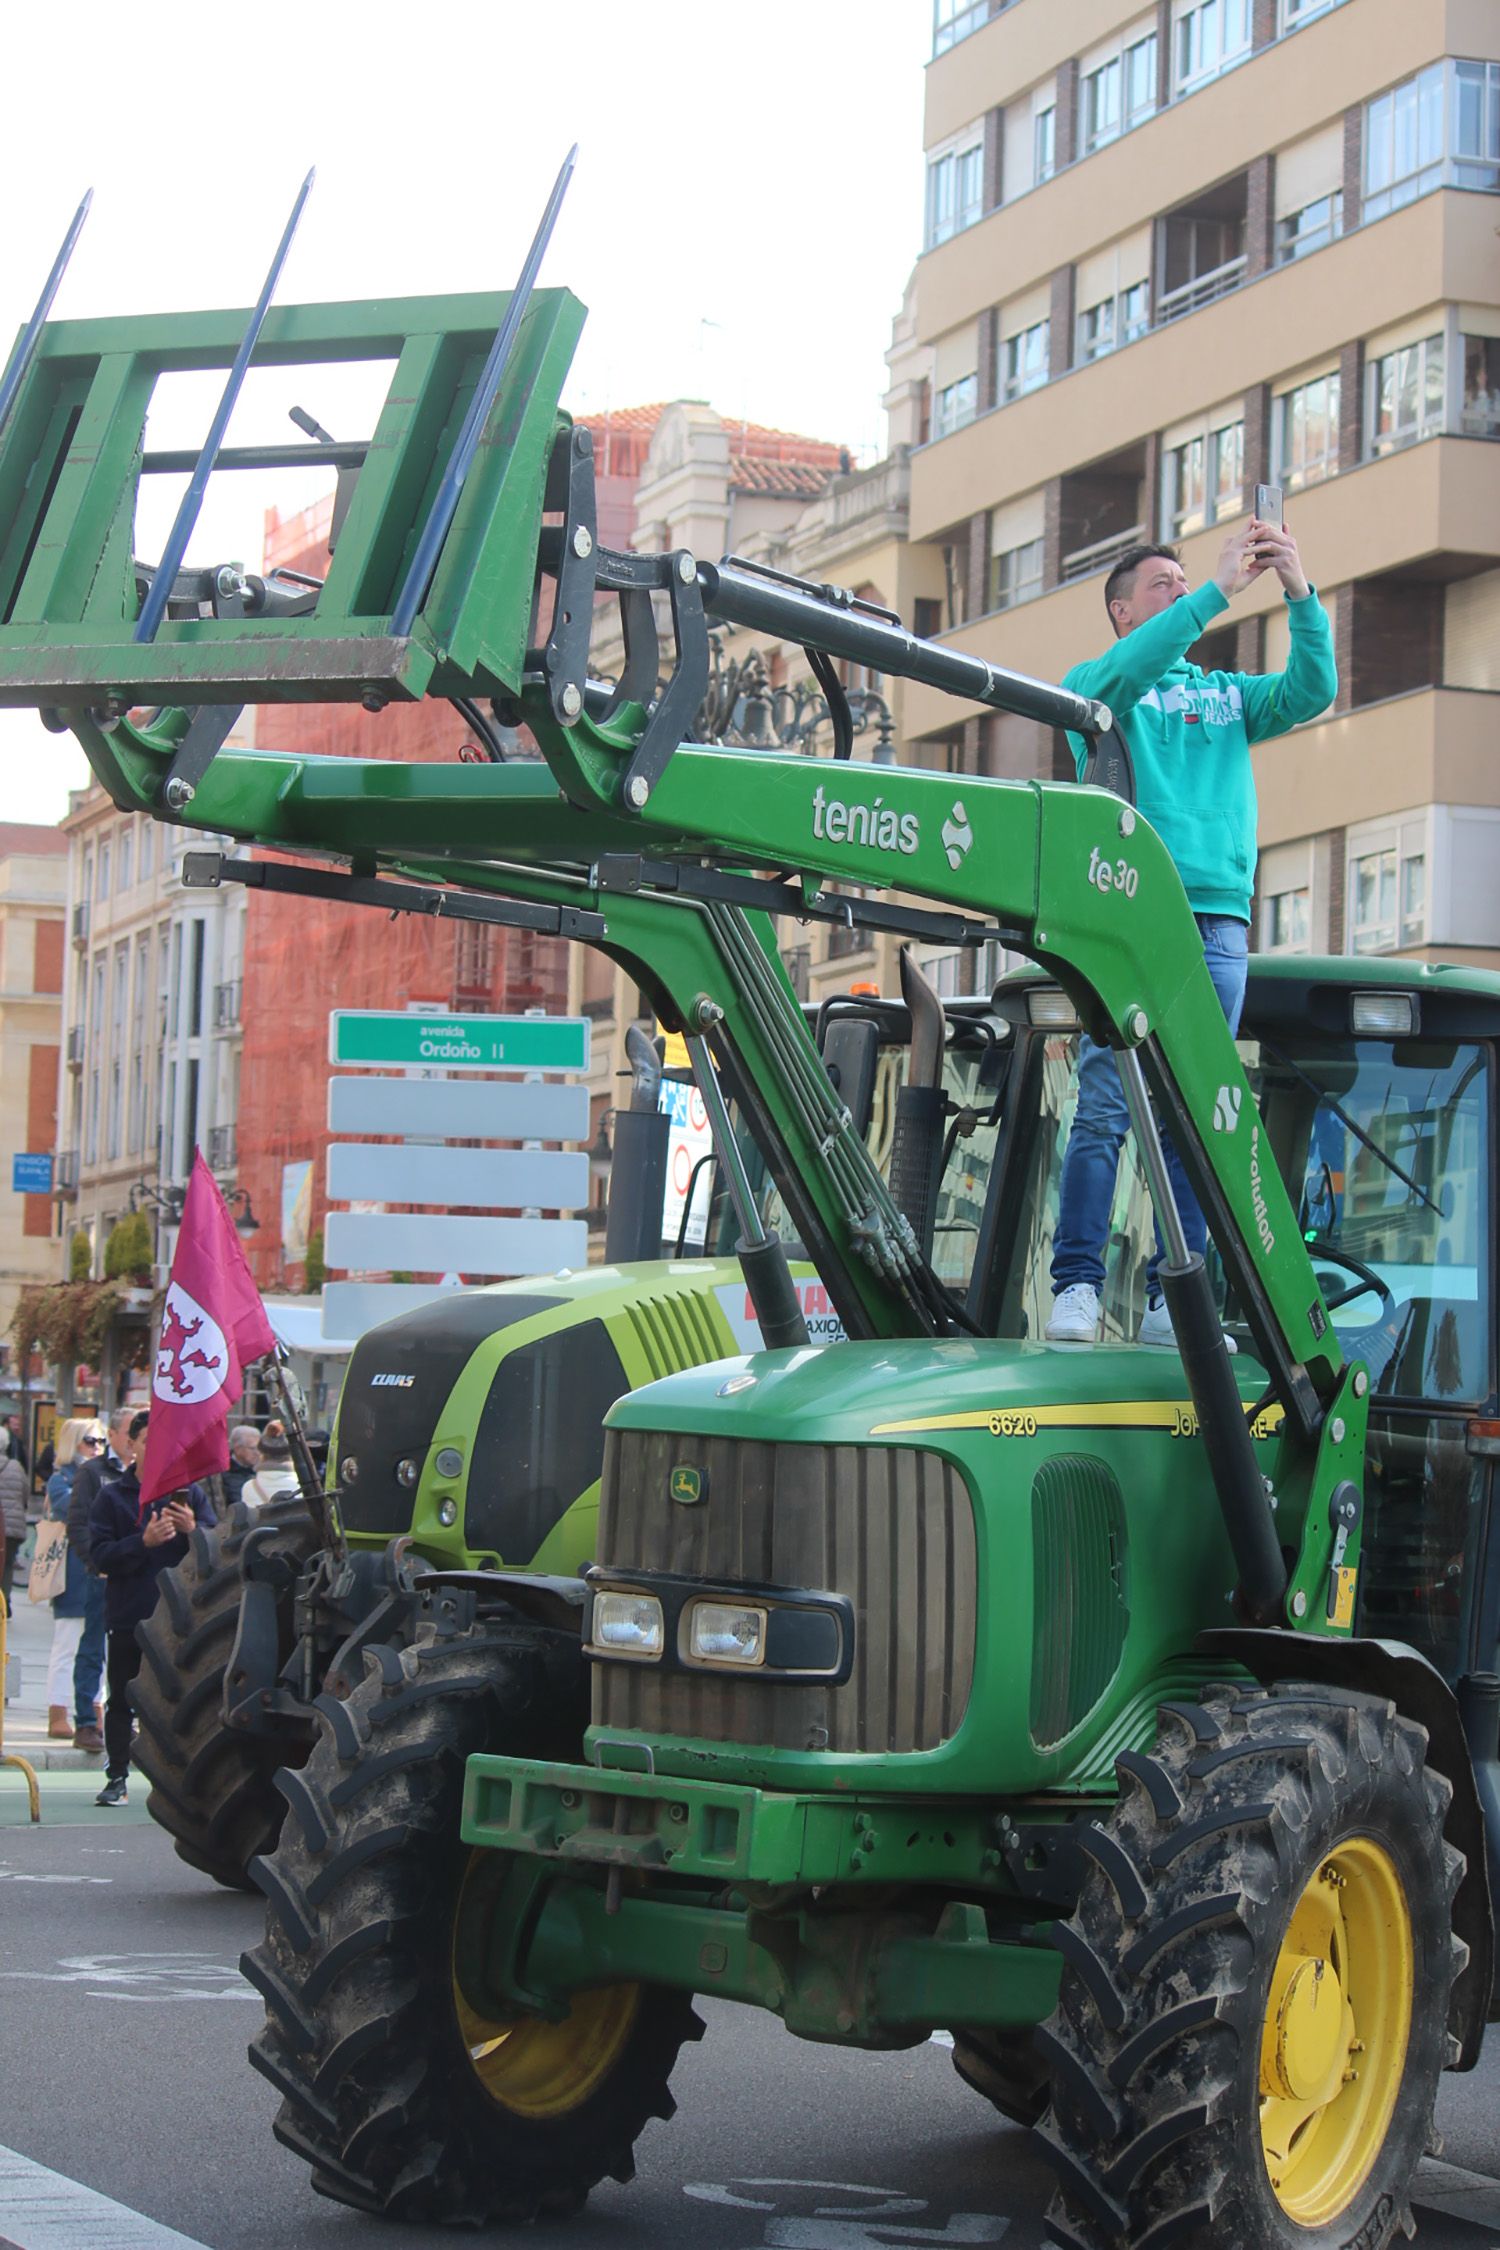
<point>725,1633</point>
<point>628,1625</point>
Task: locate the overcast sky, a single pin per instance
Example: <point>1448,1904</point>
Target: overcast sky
<point>744,216</point>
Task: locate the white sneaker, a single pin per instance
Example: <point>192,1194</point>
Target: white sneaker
<point>1075,1315</point>
<point>1156,1328</point>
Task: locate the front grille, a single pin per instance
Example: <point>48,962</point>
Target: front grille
<point>675,1330</point>
<point>1079,1598</point>
<point>891,1528</point>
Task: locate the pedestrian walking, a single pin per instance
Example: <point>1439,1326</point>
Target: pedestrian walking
<point>69,1681</point>
<point>13,1516</point>
<point>131,1545</point>
<point>275,1475</point>
<point>97,1466</point>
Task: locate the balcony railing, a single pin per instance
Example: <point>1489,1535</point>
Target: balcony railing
<point>227,1005</point>
<point>81,923</point>
<point>221,1148</point>
<point>1191,296</point>
<point>65,1173</point>
<point>1085,562</point>
<point>75,1046</point>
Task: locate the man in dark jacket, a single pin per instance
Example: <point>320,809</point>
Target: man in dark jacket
<point>130,1547</point>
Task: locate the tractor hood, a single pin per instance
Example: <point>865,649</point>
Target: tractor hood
<point>916,1392</point>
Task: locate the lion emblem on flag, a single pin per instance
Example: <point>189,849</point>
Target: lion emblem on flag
<point>192,1358</point>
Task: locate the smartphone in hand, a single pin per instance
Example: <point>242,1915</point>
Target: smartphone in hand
<point>1268,504</point>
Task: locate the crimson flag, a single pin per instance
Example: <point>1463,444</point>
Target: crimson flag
<point>213,1324</point>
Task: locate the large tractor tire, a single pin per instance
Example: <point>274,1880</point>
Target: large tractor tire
<point>1254,2008</point>
<point>401,2099</point>
<point>212,1786</point>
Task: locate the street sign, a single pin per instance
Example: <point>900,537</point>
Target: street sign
<point>459,1109</point>
<point>401,1040</point>
<point>689,1140</point>
<point>31,1174</point>
<point>423,1242</point>
<point>490,1179</point>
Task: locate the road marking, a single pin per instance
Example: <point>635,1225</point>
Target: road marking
<point>13,1875</point>
<point>1457,2194</point>
<point>42,2210</point>
<point>152,1977</point>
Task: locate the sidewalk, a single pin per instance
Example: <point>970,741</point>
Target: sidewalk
<point>28,1634</point>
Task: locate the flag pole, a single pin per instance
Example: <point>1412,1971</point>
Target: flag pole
<point>325,1517</point>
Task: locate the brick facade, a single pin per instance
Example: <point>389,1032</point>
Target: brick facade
<point>994,158</point>
<point>1351,405</point>
<point>1260,215</point>
<point>1061,320</point>
<point>1257,438</point>
<point>1262,24</point>
<point>1395,637</point>
<point>1067,112</point>
<point>1354,178</point>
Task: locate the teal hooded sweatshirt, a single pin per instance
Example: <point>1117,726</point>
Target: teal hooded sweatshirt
<point>1189,733</point>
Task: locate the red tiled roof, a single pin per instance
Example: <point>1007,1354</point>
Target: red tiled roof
<point>29,836</point>
<point>797,480</point>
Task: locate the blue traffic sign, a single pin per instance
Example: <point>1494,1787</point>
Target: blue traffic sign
<point>31,1174</point>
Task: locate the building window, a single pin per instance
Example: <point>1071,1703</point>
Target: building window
<point>1286,921</point>
<point>1438,129</point>
<point>1388,900</point>
<point>955,192</point>
<point>957,404</point>
<point>1312,228</point>
<point>1212,35</point>
<point>953,20</point>
<point>1135,311</point>
<point>1114,320</point>
<point>148,848</point>
<point>126,855</point>
<point>1305,434</point>
<point>1120,93</point>
<point>1101,103</point>
<point>1096,330</point>
<point>1407,395</point>
<point>1140,81</point>
<point>1481,409</point>
<point>1044,137</point>
<point>103,871</point>
<point>1295,13</point>
<point>1476,124</point>
<point>1015,576</point>
<point>1204,480</point>
<point>1025,361</point>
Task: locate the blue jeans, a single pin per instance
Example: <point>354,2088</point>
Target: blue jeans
<point>1101,1122</point>
<point>88,1664</point>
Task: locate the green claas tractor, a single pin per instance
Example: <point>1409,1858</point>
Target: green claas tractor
<point>470,1435</point>
<point>1128,1713</point>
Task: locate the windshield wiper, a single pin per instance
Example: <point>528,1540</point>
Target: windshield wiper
<point>1353,1126</point>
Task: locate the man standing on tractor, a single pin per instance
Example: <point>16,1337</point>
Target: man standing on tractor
<point>1189,734</point>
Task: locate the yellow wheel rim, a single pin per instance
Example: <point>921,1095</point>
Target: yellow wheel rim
<point>539,2069</point>
<point>1334,2040</point>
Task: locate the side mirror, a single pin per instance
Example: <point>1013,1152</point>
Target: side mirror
<point>851,1049</point>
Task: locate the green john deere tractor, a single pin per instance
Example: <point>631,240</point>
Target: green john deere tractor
<point>1129,1713</point>
<point>471,1431</point>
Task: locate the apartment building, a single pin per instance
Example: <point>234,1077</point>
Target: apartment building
<point>33,885</point>
<point>1173,251</point>
<point>152,1021</point>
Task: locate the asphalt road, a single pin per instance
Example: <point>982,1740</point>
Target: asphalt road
<point>123,2072</point>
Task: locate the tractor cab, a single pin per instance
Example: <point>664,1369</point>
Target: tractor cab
<point>1375,1094</point>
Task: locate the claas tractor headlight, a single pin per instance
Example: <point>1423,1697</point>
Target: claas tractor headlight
<point>725,1633</point>
<point>1390,1015</point>
<point>628,1625</point>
